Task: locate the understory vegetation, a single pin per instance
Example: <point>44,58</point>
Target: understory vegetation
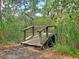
<point>64,14</point>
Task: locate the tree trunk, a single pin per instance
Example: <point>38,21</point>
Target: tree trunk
<point>0,10</point>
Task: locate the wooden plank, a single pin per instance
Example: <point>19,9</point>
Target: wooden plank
<point>41,29</point>
<point>35,41</point>
<point>45,38</point>
<point>27,28</point>
<point>29,37</point>
<point>30,27</point>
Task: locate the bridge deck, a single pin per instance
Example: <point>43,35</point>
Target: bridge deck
<point>35,41</point>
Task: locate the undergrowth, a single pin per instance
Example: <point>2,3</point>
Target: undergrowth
<point>65,49</point>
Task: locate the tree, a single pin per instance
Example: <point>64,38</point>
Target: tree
<point>0,12</point>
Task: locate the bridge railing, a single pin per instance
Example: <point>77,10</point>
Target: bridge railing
<point>28,28</point>
<point>41,30</point>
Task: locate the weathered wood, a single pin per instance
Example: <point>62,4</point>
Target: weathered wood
<point>45,28</point>
<point>27,28</point>
<point>24,34</point>
<point>35,41</point>
<point>51,26</point>
<point>29,37</point>
<point>40,37</point>
<point>33,30</point>
<point>41,29</point>
<point>24,30</point>
<point>47,32</point>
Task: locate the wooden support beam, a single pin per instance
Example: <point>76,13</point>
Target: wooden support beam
<point>41,29</point>
<point>40,37</point>
<point>27,28</point>
<point>24,34</point>
<point>28,37</point>
<point>47,32</point>
<point>33,31</point>
<point>52,26</point>
<point>24,30</point>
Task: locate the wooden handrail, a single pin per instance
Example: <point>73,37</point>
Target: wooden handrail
<point>45,28</point>
<point>24,30</point>
<point>27,28</point>
<point>40,37</point>
<point>40,31</point>
<point>51,26</point>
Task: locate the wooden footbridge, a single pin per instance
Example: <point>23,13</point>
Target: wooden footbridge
<point>38,39</point>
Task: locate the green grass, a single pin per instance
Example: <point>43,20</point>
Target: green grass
<point>49,58</point>
<point>10,32</point>
<point>66,49</point>
<point>42,21</point>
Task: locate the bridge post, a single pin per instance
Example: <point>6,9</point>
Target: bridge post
<point>40,37</point>
<point>46,31</point>
<point>33,30</point>
<point>24,34</point>
<point>30,27</point>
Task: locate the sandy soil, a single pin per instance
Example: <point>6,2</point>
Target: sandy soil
<point>22,52</point>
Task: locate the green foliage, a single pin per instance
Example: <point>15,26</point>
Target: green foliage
<point>49,58</point>
<point>10,31</point>
<point>68,35</point>
<point>66,49</point>
<point>42,21</point>
<point>64,14</point>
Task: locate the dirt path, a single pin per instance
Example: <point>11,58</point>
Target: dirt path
<point>21,52</point>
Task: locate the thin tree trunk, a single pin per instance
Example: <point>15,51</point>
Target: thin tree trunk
<point>0,9</point>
